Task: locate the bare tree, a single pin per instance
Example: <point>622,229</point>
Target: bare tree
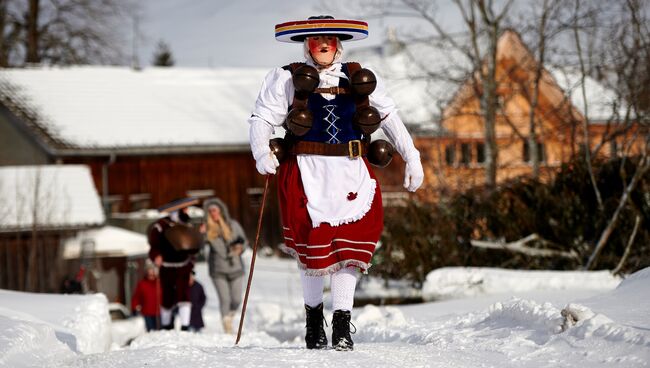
<point>36,222</point>
<point>579,15</point>
<point>36,196</point>
<point>544,29</point>
<point>61,31</point>
<point>626,54</point>
<point>482,23</point>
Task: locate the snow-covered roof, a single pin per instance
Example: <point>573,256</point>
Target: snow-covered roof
<point>602,102</point>
<point>107,241</point>
<point>419,97</point>
<point>52,196</point>
<point>104,107</point>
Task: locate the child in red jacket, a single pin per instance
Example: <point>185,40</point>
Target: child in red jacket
<point>146,298</point>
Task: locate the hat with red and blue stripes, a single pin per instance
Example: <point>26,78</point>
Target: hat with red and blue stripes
<point>345,30</point>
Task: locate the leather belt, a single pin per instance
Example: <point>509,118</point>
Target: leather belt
<point>352,149</point>
<point>333,90</point>
<point>176,264</point>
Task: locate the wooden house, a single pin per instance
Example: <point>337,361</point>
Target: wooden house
<point>457,152</point>
<point>423,78</point>
<point>42,206</point>
<point>149,136</point>
<point>112,258</point>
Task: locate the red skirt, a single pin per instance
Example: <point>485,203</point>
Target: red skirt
<point>325,249</point>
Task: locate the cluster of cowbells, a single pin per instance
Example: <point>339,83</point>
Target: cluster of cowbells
<point>366,118</point>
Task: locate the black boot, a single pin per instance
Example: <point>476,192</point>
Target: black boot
<point>167,327</point>
<point>341,339</point>
<point>315,336</point>
<point>185,328</point>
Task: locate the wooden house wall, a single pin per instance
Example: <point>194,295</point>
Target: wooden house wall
<point>166,177</point>
<point>16,145</point>
<point>232,176</point>
<point>14,261</point>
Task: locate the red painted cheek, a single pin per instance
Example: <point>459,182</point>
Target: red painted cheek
<point>315,44</point>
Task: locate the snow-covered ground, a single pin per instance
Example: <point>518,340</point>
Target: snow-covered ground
<point>573,320</point>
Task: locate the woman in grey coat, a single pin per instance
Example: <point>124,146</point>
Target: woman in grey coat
<point>227,241</point>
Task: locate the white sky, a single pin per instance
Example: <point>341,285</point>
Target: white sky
<point>207,33</point>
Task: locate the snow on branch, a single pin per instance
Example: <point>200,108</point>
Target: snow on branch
<point>520,247</point>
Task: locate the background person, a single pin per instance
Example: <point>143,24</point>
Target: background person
<point>146,297</point>
<point>173,244</point>
<point>227,240</point>
<point>197,298</point>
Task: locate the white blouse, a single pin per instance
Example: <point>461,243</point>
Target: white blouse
<point>339,190</point>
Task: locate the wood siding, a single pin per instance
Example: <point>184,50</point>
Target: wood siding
<point>48,268</point>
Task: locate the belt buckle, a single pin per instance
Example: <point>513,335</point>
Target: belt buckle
<point>354,149</point>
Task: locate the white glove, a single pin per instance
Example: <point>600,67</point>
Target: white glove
<point>413,174</point>
<point>267,163</point>
<point>260,133</point>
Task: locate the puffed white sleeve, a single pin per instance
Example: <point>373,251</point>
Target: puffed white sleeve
<point>392,124</point>
<point>270,110</point>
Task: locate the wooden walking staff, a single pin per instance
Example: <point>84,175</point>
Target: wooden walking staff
<point>250,273</point>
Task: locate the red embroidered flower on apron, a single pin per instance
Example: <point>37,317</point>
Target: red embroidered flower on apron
<point>352,196</point>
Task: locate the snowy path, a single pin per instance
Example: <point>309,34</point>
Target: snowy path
<point>612,330</point>
<point>518,333</point>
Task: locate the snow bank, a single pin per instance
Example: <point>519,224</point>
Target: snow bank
<point>21,338</point>
<point>85,317</point>
<point>629,302</point>
<point>459,282</point>
<point>608,330</point>
<point>523,331</point>
<point>623,302</point>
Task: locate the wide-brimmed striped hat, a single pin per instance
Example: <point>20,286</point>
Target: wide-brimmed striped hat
<point>178,204</point>
<point>345,30</point>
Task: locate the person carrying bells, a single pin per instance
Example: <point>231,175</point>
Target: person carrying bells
<point>173,243</point>
<point>330,200</point>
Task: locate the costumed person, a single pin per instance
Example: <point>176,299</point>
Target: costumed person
<point>227,241</point>
<point>146,298</point>
<point>329,198</point>
<point>197,298</point>
<point>173,244</point>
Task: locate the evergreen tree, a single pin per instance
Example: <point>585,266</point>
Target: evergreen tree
<point>163,55</point>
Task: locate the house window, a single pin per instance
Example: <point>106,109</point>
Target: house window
<point>465,154</point>
<point>114,203</point>
<point>200,193</point>
<point>541,154</point>
<point>139,201</point>
<point>255,196</point>
<point>480,153</point>
<point>450,154</point>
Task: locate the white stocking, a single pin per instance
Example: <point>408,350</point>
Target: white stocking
<point>312,289</point>
<point>165,316</point>
<point>184,312</point>
<point>344,282</point>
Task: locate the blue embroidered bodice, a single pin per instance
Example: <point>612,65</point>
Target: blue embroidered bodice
<point>332,118</point>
